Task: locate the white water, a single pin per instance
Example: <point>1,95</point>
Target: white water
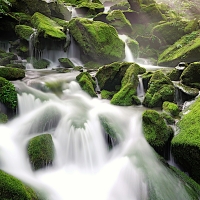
<point>83,167</point>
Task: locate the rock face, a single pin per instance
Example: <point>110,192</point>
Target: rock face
<point>186,144</point>
<point>41,151</point>
<point>97,40</point>
<point>160,89</point>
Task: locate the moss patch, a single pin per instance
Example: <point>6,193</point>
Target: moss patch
<point>24,32</point>
<point>41,151</point>
<point>11,73</point>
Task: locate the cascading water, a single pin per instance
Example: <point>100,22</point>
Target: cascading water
<point>83,167</point>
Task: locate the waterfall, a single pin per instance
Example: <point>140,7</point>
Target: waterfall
<point>140,88</point>
<point>5,45</point>
<point>83,167</point>
<point>129,56</point>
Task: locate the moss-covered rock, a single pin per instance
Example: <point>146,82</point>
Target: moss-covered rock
<point>169,32</point>
<point>24,32</point>
<point>156,131</point>
<point>16,65</point>
<point>12,73</point>
<point>87,83</point>
<point>160,89</point>
<point>41,151</point>
<point>3,118</point>
<point>6,58</point>
<point>110,76</point>
<point>13,188</point>
<point>92,65</point>
<point>21,17</point>
<point>168,118</point>
<point>186,144</point>
<point>191,74</point>
<point>41,64</point>
<point>121,6</point>
<point>133,46</point>
<point>89,9</point>
<point>47,28</point>
<point>174,74</point>
<point>186,50</point>
<point>98,41</point>
<point>8,95</point>
<point>118,20</point>
<point>105,94</point>
<point>171,108</point>
<point>65,62</point>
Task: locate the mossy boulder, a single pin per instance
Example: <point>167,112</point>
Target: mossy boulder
<point>47,28</point>
<point>12,73</point>
<point>191,74</point>
<point>171,108</point>
<point>105,94</point>
<point>41,64</point>
<point>184,50</point>
<point>16,65</point>
<point>152,12</point>
<point>186,144</point>
<point>118,20</point>
<point>169,32</point>
<point>87,83</point>
<point>174,74</point>
<point>160,89</point>
<point>121,6</point>
<point>110,76</point>
<point>156,131</point>
<point>41,151</point>
<point>21,17</point>
<point>65,62</point>
<point>13,188</point>
<point>6,58</point>
<point>98,41</point>
<point>127,95</point>
<point>24,32</point>
<point>8,94</point>
<point>90,8</point>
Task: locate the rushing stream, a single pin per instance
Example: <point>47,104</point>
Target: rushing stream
<point>83,167</point>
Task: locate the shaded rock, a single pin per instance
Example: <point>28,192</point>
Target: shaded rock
<point>171,108</point>
<point>65,62</point>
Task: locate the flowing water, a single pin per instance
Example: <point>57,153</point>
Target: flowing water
<point>83,167</point>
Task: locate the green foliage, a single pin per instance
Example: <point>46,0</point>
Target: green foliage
<point>41,151</point>
<point>156,131</point>
<point>87,83</point>
<point>12,188</point>
<point>8,95</point>
<point>4,7</point>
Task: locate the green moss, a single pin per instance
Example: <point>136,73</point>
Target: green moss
<point>171,108</point>
<point>12,188</point>
<point>41,151</point>
<point>190,75</point>
<point>169,119</point>
<point>105,94</point>
<point>41,64</point>
<point>186,144</point>
<point>3,118</point>
<point>8,95</point>
<point>11,73</point>
<point>61,22</point>
<point>110,76</point>
<point>21,17</point>
<point>92,65</point>
<point>47,27</point>
<point>24,32</point>
<point>134,47</point>
<point>127,96</point>
<point>174,74</point>
<point>184,50</point>
<point>13,65</point>
<point>65,62</point>
<point>87,83</point>
<point>156,131</point>
<point>160,89</point>
<point>117,19</point>
<point>98,40</point>
<point>7,59</point>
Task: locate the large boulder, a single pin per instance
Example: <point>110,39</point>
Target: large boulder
<point>160,89</point>
<point>13,188</point>
<point>8,94</point>
<point>186,144</point>
<point>24,31</point>
<point>127,95</point>
<point>191,74</point>
<point>156,131</point>
<point>41,151</point>
<point>10,73</point>
<point>98,41</point>
<point>184,50</point>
